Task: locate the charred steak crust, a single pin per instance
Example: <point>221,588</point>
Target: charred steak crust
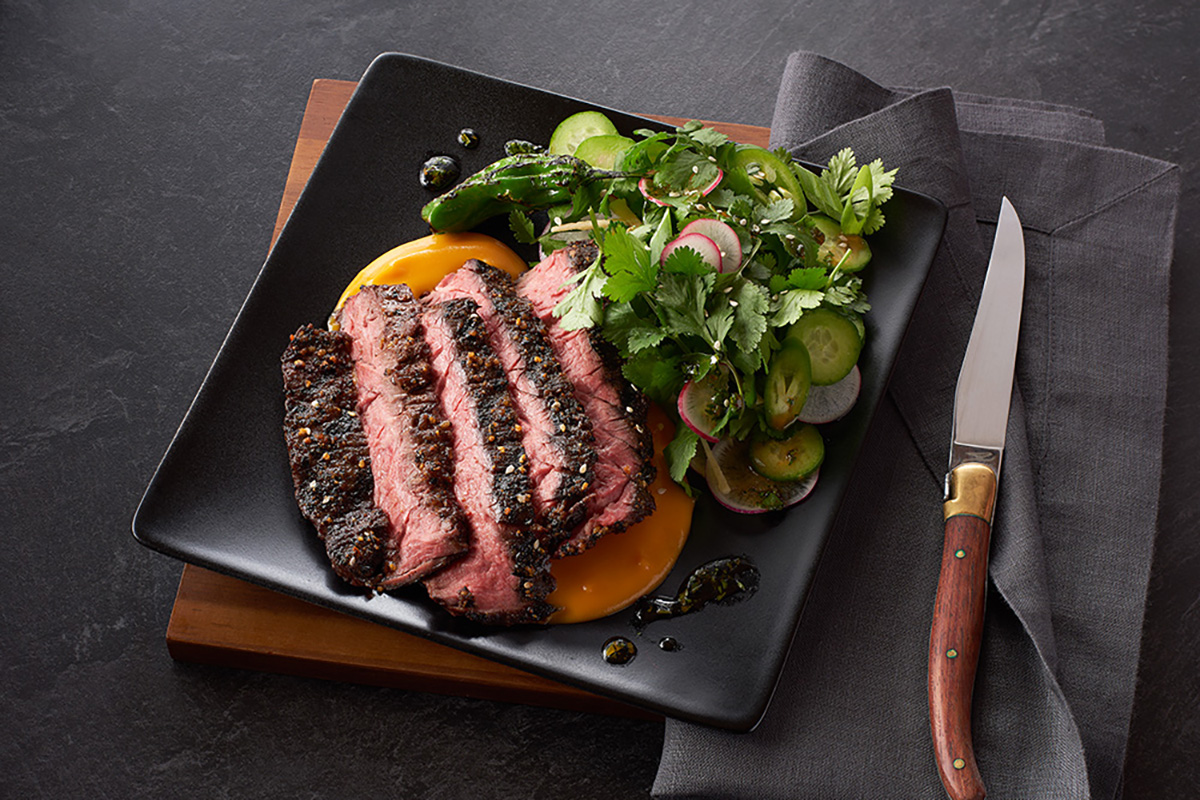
<point>327,448</point>
<point>432,517</point>
<point>512,491</point>
<point>572,429</point>
<point>434,454</point>
<point>634,408</point>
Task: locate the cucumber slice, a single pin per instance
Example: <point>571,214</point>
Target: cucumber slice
<point>787,459</point>
<point>850,251</point>
<point>833,343</point>
<point>577,127</point>
<point>603,152</point>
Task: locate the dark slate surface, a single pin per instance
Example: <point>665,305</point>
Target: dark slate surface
<point>143,148</point>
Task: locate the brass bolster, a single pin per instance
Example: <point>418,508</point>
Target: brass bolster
<point>972,491</point>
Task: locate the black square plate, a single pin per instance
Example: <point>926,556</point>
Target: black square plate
<point>222,496</point>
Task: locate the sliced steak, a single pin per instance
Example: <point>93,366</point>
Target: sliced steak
<point>412,454</point>
<point>327,448</point>
<point>624,444</point>
<point>555,431</point>
<point>505,577</point>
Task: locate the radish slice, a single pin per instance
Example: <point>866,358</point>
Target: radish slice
<point>704,246</point>
<point>714,184</point>
<point>644,188</point>
<point>827,403</point>
<point>739,488</point>
<point>702,403</point>
<point>725,237</point>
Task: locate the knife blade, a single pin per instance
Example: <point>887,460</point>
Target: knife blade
<point>981,403</point>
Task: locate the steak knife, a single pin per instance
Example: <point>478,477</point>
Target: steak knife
<point>981,402</point>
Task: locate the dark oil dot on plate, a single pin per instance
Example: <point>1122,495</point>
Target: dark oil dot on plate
<point>619,651</point>
<point>440,172</point>
<point>669,644</point>
<point>468,138</point>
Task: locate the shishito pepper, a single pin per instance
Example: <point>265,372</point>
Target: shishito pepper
<point>750,162</point>
<point>526,181</point>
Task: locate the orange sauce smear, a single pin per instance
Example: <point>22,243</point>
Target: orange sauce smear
<point>620,568</point>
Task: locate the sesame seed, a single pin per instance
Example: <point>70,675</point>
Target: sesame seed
<point>510,470</point>
<point>313,485</point>
<point>583,469</point>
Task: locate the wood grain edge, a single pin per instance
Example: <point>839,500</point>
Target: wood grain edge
<point>223,621</point>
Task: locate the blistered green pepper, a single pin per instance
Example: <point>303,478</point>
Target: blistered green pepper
<point>752,165</point>
<point>789,377</point>
<point>526,181</point>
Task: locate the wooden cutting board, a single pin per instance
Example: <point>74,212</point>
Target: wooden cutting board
<point>228,622</point>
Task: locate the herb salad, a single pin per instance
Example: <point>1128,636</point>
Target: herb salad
<point>727,279</point>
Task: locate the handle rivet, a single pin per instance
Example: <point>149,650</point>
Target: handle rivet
<point>951,653</point>
<point>960,553</point>
<point>959,763</point>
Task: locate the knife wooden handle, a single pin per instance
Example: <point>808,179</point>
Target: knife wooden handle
<point>957,628</point>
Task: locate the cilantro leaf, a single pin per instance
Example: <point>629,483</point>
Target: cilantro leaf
<point>792,303</point>
<point>680,452</point>
<point>749,320</point>
<point>628,264</point>
<point>581,307</point>
<point>658,373</point>
<point>686,261</point>
<point>629,331</point>
<point>686,169</point>
<point>807,278</point>
<point>521,226</point>
<point>776,211</point>
<point>841,172</point>
<point>718,324</point>
<point>709,137</point>
<point>681,301</point>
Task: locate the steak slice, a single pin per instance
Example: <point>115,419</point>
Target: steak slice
<point>327,448</point>
<point>555,431</point>
<point>624,444</point>
<point>412,455</point>
<point>505,577</point>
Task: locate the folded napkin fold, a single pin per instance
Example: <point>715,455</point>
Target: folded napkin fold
<point>1078,502</point>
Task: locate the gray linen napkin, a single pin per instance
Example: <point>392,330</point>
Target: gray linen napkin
<point>1078,500</point>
